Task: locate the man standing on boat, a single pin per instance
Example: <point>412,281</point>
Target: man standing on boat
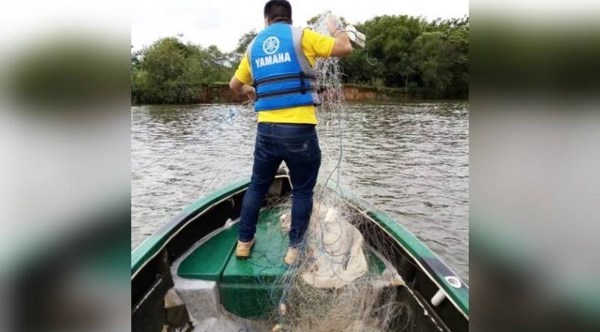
<point>277,72</point>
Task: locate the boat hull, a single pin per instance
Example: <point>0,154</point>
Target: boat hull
<point>426,276</point>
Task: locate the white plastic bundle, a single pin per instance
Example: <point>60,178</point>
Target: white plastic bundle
<point>335,248</point>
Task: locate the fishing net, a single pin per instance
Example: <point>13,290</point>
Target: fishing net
<point>339,283</point>
<point>334,288</point>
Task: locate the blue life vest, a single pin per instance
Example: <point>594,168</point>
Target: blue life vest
<point>282,75</point>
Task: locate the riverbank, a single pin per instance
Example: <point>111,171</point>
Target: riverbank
<point>221,93</point>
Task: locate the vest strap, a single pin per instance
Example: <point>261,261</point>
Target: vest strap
<point>302,90</point>
<point>286,77</point>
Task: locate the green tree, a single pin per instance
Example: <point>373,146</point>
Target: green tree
<point>432,61</point>
<point>441,56</point>
<point>401,51</point>
<point>172,72</point>
<point>164,67</point>
<point>409,52</point>
<point>389,41</point>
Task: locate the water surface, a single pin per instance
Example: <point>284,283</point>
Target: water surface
<point>410,160</point>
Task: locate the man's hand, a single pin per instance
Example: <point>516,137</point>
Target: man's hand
<point>242,89</point>
<point>249,91</point>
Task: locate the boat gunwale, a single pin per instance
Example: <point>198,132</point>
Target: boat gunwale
<point>156,242</point>
<point>416,250</point>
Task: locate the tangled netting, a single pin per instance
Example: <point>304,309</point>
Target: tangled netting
<point>335,286</point>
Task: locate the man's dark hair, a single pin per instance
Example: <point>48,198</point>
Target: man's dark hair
<point>278,10</point>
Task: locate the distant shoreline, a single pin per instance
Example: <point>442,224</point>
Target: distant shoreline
<point>221,93</point>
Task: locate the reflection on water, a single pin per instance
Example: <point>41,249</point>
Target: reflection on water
<point>410,160</point>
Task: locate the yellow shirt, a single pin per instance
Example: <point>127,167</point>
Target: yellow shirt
<point>314,45</point>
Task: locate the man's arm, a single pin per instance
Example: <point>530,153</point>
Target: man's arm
<point>342,46</point>
<point>242,74</point>
<point>242,89</point>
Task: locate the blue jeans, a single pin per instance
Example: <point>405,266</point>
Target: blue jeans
<point>298,146</point>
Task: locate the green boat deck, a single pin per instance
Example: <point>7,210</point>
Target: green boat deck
<point>246,286</point>
<point>215,259</point>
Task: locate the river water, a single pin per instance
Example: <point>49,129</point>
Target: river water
<point>409,160</point>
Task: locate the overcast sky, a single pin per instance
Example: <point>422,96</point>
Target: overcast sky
<point>223,22</point>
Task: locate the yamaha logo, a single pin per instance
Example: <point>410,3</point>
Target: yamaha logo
<point>271,45</point>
